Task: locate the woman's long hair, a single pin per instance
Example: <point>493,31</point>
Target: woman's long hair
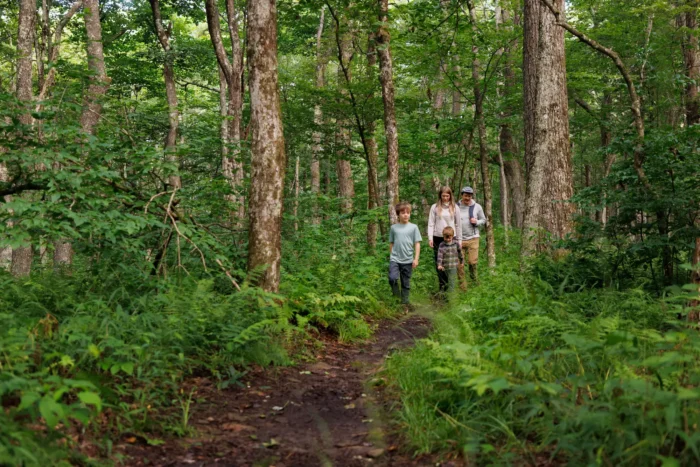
<point>445,189</point>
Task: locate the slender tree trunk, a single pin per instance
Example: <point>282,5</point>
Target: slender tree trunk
<point>531,36</point>
<point>267,145</point>
<point>505,202</point>
<point>373,198</point>
<point>691,60</point>
<point>547,151</point>
<point>506,143</point>
<point>170,91</point>
<point>5,252</point>
<point>92,102</point>
<point>295,213</point>
<point>390,130</point>
<point>22,256</point>
<point>231,69</point>
<point>483,150</point>
<point>346,184</point>
<point>516,184</point>
<point>317,148</point>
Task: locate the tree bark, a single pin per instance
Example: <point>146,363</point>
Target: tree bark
<point>346,184</point>
<point>232,70</point>
<point>483,150</point>
<point>267,145</point>
<point>22,256</point>
<point>295,212</point>
<point>390,129</point>
<point>516,185</point>
<point>170,92</point>
<point>5,252</point>
<point>547,150</point>
<point>691,60</point>
<point>373,197</point>
<point>317,148</point>
<point>506,143</point>
<point>531,38</point>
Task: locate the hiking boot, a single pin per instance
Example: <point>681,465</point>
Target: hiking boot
<point>472,273</point>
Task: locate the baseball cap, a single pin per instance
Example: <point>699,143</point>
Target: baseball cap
<point>467,189</point>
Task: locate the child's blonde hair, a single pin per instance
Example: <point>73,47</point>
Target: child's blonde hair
<point>448,231</point>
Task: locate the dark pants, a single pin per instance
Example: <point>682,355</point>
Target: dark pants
<point>442,275</point>
<point>403,270</point>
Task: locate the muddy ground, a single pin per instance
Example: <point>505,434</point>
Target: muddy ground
<point>331,412</point>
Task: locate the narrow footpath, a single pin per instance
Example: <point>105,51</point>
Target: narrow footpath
<point>330,412</point>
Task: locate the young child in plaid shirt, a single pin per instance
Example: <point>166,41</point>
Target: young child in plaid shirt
<point>449,257</point>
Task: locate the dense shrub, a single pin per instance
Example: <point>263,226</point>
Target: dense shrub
<point>523,369</point>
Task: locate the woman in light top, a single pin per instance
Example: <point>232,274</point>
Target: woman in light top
<point>443,214</point>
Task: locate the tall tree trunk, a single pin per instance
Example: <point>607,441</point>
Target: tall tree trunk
<point>346,184</point>
<point>547,151</point>
<point>22,256</point>
<point>691,60</point>
<point>232,70</point>
<point>483,150</point>
<point>516,184</point>
<point>92,101</point>
<point>531,36</point>
<point>505,202</point>
<point>386,79</point>
<point>267,145</point>
<point>295,212</point>
<point>170,91</point>
<point>317,148</point>
<point>5,252</point>
<point>506,143</point>
<point>373,197</point>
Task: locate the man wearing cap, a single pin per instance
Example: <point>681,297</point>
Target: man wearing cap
<point>472,217</point>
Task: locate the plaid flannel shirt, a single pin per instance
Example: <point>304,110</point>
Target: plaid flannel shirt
<point>449,255</point>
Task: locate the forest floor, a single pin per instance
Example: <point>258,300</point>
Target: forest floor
<point>330,412</point>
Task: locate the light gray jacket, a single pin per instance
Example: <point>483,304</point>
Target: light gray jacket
<point>469,230</point>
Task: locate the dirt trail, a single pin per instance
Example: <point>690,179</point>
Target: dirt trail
<point>326,413</point>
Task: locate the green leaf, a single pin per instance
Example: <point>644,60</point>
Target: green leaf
<point>51,411</point>
<point>91,398</point>
<point>128,368</point>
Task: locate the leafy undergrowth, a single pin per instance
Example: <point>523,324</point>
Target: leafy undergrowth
<point>520,370</point>
<point>95,355</point>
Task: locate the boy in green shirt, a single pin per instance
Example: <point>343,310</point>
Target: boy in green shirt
<point>404,242</point>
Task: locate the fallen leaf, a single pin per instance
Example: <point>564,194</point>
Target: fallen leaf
<point>349,406</point>
<point>374,453</point>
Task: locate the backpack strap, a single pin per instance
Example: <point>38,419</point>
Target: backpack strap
<point>471,210</point>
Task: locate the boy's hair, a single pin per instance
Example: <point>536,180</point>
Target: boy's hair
<point>448,231</point>
<point>402,206</point>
